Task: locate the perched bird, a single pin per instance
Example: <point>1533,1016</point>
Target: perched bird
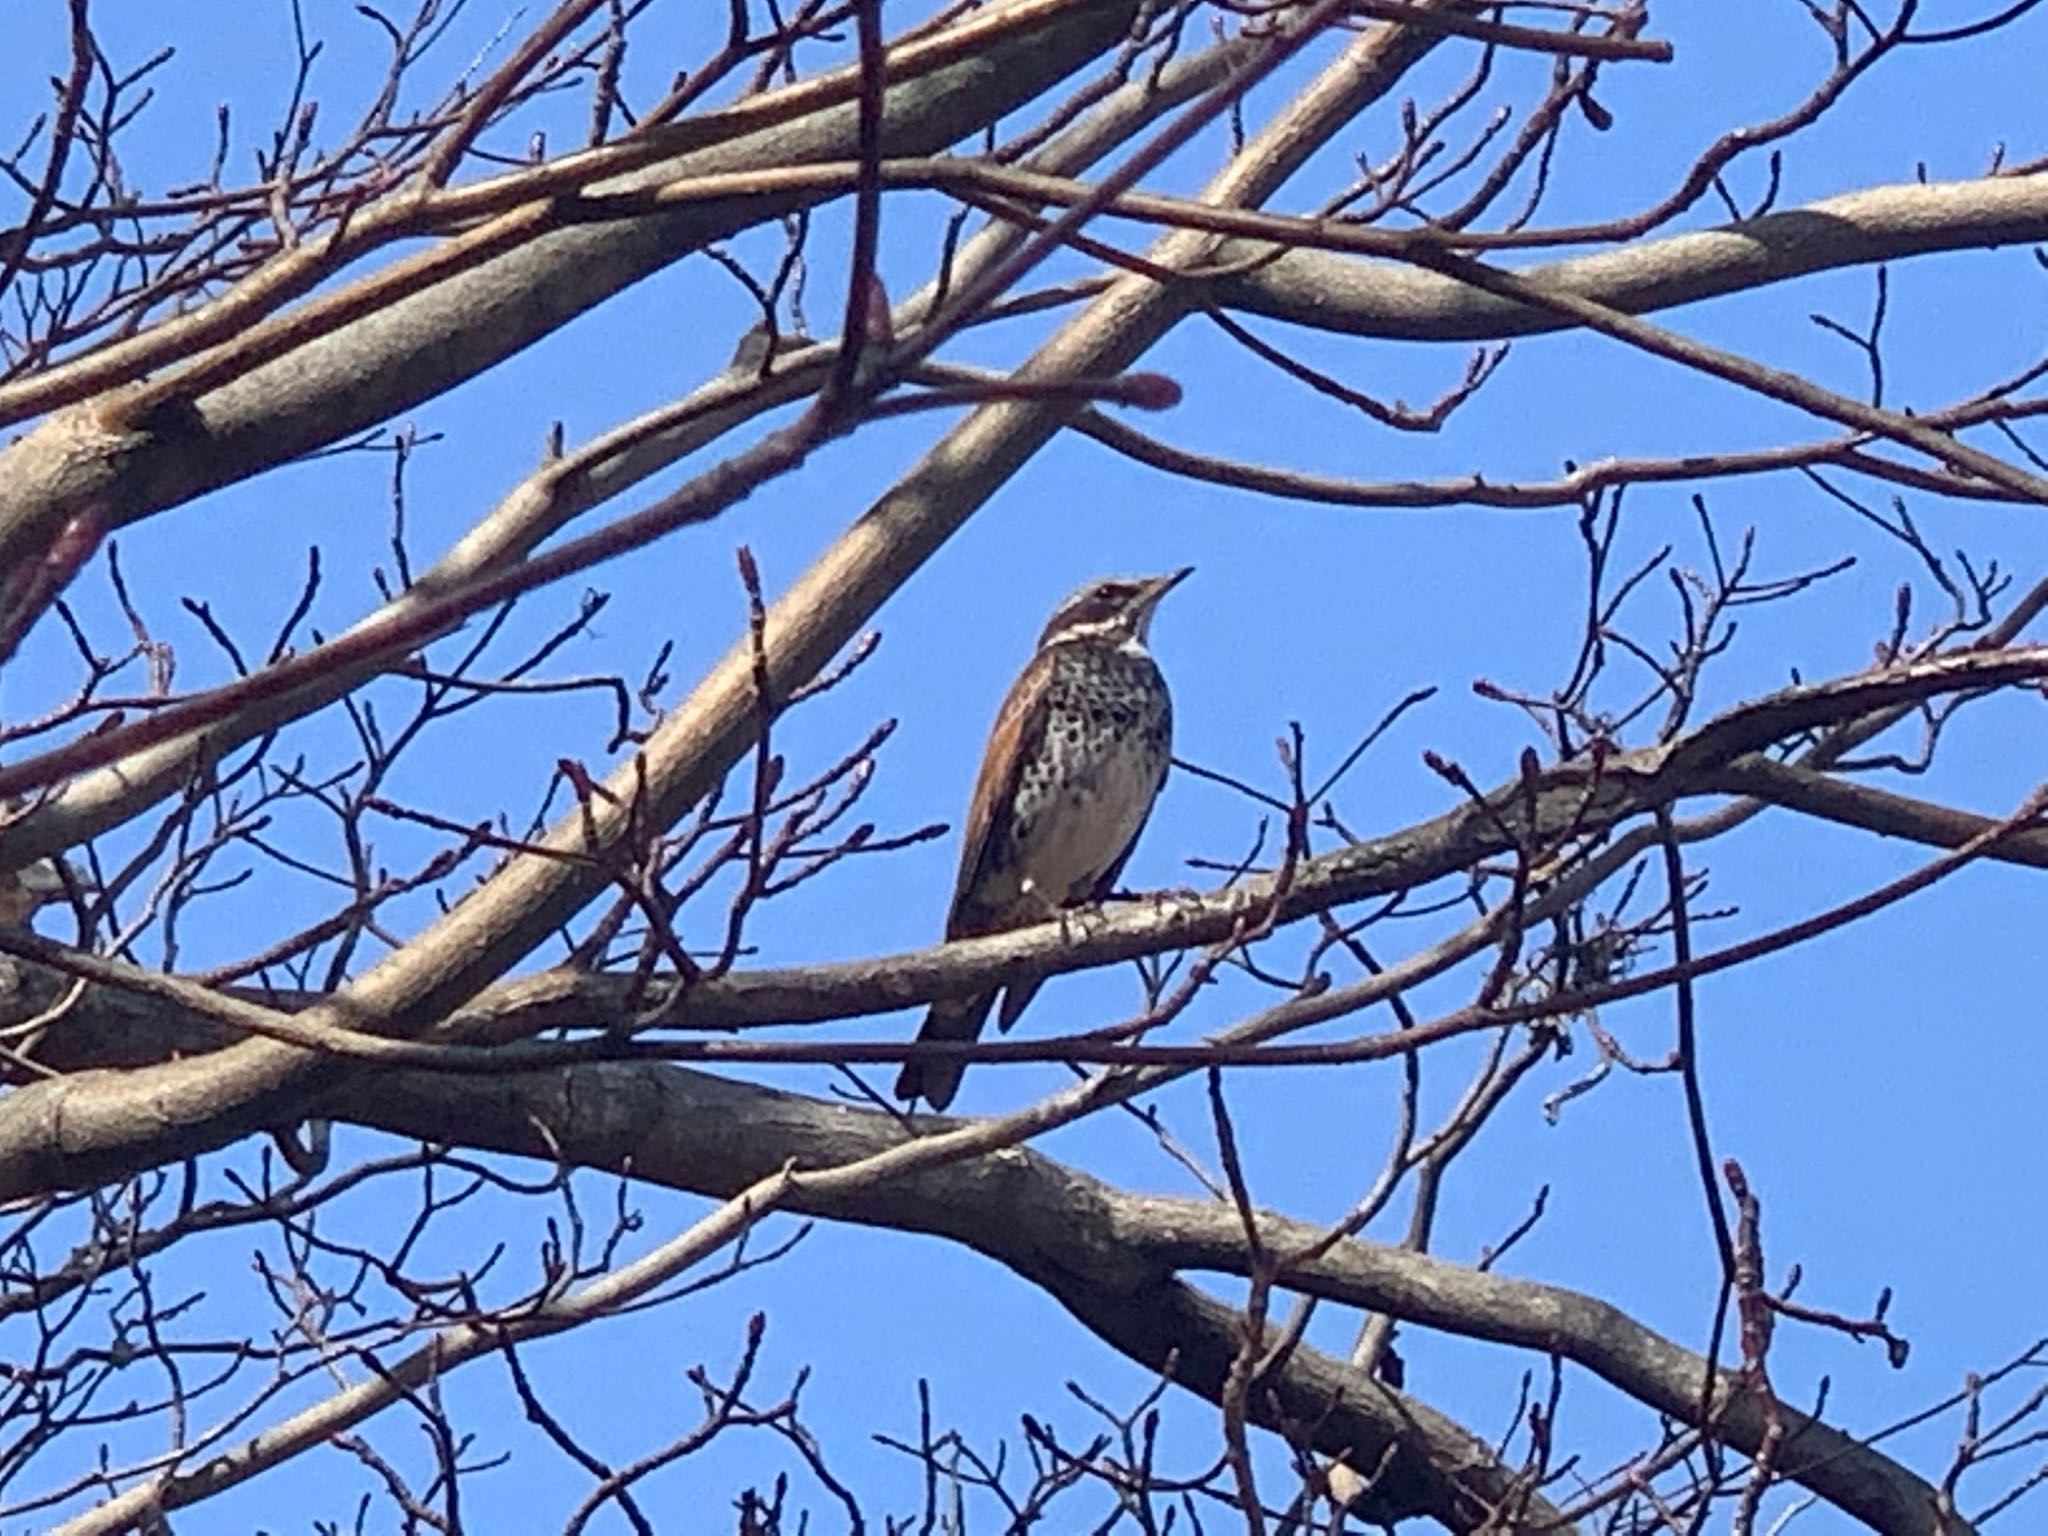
<point>1076,759</point>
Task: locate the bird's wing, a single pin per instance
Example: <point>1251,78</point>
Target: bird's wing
<point>1019,728</point>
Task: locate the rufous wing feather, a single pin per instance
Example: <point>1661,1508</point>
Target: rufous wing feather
<point>983,899</point>
<point>985,893</point>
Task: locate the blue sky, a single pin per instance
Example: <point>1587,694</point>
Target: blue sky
<point>1881,1087</point>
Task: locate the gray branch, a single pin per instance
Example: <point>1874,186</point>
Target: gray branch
<point>1363,297</point>
<point>1114,1258</point>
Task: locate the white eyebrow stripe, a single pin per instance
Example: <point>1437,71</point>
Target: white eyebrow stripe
<point>1086,630</point>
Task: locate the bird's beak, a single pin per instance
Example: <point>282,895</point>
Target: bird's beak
<point>1153,591</point>
<point>1159,586</point>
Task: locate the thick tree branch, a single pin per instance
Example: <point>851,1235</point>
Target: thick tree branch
<point>1112,1257</point>
<point>1395,301</point>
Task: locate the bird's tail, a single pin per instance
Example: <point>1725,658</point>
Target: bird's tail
<point>1016,998</point>
<point>936,1079</point>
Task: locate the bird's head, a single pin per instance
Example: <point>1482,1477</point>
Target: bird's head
<point>1117,609</point>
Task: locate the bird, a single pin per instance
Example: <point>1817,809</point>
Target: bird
<point>1079,751</point>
